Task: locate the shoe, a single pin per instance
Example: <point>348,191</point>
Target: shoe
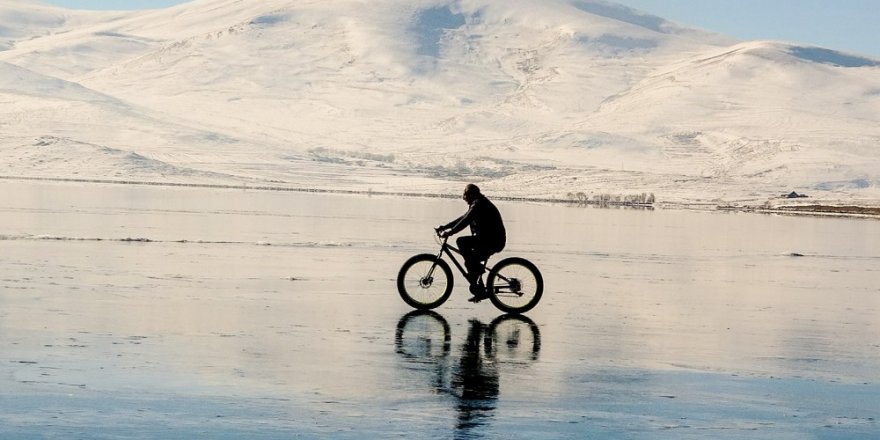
<point>477,290</point>
<point>477,298</point>
<point>479,293</point>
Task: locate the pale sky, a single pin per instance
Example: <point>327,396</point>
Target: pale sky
<point>847,25</point>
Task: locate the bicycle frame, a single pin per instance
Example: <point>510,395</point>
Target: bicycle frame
<point>448,249</point>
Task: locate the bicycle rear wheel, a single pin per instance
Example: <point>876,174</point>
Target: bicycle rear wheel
<point>424,281</point>
<point>515,285</point>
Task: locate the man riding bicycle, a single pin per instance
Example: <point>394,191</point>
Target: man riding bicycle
<point>487,237</point>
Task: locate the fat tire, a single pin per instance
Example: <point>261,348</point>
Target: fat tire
<point>406,278</point>
<point>502,302</point>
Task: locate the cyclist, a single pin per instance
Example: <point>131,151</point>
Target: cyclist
<point>487,237</point>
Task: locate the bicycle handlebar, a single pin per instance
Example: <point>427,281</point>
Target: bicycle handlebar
<point>440,238</point>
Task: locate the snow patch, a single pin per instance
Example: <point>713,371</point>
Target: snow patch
<point>19,81</point>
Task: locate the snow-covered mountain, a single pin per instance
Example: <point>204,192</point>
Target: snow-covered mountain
<point>529,98</point>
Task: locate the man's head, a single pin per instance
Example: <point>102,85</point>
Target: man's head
<point>471,193</point>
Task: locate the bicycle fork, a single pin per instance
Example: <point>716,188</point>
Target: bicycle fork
<point>429,277</point>
<point>436,259</point>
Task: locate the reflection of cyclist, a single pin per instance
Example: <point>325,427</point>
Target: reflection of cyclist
<point>487,236</point>
<point>476,380</point>
<point>423,339</point>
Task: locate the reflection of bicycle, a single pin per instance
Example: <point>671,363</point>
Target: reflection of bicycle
<point>471,374</point>
<point>425,281</point>
<point>425,336</point>
<point>514,339</point>
<point>422,335</point>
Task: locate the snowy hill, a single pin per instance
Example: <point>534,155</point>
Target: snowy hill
<point>529,98</point>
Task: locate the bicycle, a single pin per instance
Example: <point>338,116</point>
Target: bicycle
<point>514,284</point>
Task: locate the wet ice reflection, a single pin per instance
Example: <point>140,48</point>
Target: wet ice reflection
<point>196,313</point>
<point>469,373</point>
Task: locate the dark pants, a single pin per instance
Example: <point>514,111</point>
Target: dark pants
<point>475,253</point>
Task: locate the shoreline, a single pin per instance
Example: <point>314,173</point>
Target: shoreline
<point>848,209</point>
<point>814,209</point>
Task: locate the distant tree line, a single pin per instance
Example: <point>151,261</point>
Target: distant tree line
<point>611,199</point>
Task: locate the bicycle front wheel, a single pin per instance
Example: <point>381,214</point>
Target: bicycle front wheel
<point>515,285</point>
<point>424,281</point>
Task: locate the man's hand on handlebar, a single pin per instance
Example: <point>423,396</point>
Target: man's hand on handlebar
<point>442,232</point>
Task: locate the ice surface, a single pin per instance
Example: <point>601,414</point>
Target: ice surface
<point>148,312</point>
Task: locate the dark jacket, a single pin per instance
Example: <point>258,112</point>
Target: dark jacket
<point>485,222</point>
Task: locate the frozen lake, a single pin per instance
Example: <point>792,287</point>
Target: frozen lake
<point>151,312</point>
